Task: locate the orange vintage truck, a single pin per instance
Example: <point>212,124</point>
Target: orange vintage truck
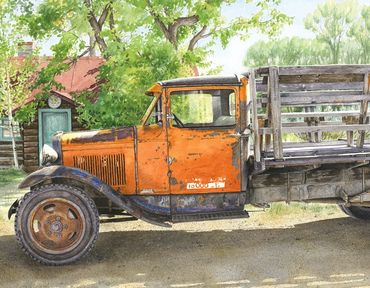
<point>206,147</point>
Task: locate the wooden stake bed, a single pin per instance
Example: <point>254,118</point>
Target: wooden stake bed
<point>324,109</point>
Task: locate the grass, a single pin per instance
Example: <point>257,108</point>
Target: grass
<point>11,175</point>
<point>282,209</point>
<point>9,192</point>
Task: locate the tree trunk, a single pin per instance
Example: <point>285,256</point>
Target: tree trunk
<point>10,118</point>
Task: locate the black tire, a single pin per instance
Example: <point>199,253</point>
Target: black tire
<point>357,212</point>
<point>56,224</point>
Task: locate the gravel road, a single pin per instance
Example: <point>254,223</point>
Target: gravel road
<point>330,251</point>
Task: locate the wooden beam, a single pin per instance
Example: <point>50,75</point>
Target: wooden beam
<point>322,128</point>
<point>312,100</point>
<point>253,95</point>
<point>274,98</point>
<point>295,87</point>
<point>316,114</point>
<point>363,111</point>
<point>318,69</point>
<point>317,161</point>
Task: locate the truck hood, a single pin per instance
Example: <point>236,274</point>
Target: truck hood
<point>96,136</point>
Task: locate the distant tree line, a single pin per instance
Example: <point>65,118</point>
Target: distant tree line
<point>342,36</point>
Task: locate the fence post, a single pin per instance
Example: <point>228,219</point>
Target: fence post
<point>363,112</point>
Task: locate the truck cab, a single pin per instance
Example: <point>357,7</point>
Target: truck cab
<point>186,161</point>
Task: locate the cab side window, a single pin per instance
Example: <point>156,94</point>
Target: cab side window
<point>203,108</point>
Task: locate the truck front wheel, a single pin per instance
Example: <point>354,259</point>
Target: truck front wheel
<point>56,224</point>
<point>358,212</point>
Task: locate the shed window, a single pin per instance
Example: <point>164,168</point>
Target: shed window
<point>5,132</point>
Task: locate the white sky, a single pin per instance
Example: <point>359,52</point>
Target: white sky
<point>231,58</point>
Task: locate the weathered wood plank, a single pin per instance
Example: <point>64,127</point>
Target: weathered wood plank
<point>253,95</point>
<point>274,98</point>
<point>295,87</point>
<point>301,100</point>
<point>322,128</point>
<point>363,111</point>
<point>321,93</point>
<point>27,144</point>
<point>30,132</point>
<point>320,114</point>
<point>30,138</point>
<point>33,150</point>
<point>321,151</point>
<point>318,69</point>
<point>317,160</point>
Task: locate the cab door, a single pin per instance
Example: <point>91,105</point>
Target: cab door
<point>204,144</point>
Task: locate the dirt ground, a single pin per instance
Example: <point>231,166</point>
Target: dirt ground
<point>313,250</point>
<point>289,246</point>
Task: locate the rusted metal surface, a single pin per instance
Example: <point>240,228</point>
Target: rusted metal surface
<point>152,160</point>
<point>205,160</point>
<point>97,136</point>
<point>216,202</point>
<point>57,225</point>
<point>108,154</point>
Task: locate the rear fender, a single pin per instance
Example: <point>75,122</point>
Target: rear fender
<point>68,174</point>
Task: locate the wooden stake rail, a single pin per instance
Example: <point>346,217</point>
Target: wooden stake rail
<point>310,103</point>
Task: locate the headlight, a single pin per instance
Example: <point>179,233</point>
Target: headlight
<point>49,155</point>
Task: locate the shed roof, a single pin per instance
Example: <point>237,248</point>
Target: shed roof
<point>81,76</point>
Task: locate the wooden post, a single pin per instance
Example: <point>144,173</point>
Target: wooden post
<point>310,122</point>
<point>274,100</point>
<point>253,94</point>
<point>363,112</point>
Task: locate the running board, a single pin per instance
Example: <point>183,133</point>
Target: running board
<point>209,216</point>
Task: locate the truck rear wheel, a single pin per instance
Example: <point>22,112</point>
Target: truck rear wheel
<point>56,224</point>
<point>358,212</point>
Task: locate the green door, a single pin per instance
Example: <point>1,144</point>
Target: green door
<point>51,121</point>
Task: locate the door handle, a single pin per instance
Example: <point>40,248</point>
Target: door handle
<point>245,134</point>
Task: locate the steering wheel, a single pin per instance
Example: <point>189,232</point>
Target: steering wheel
<point>177,120</point>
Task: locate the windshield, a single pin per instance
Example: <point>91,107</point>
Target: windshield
<point>203,108</point>
<point>156,103</point>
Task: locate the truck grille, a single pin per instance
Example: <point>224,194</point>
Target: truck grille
<point>109,168</point>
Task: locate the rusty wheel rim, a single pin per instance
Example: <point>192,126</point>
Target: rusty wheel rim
<point>57,225</point>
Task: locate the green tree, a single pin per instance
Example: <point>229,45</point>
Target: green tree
<point>142,41</point>
<point>360,32</point>
<point>286,51</point>
<point>14,73</point>
<point>331,23</point>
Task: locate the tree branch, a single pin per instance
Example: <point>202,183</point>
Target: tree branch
<point>158,21</point>
<point>96,27</point>
<point>196,38</point>
<point>104,15</point>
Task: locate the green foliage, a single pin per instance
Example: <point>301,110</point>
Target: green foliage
<point>14,73</point>
<point>360,32</point>
<point>122,99</point>
<point>342,36</point>
<point>331,22</point>
<point>143,41</point>
<point>286,51</point>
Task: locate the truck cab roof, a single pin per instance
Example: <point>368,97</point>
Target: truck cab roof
<point>196,81</point>
<point>202,80</point>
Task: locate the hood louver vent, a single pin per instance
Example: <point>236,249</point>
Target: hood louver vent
<point>109,168</point>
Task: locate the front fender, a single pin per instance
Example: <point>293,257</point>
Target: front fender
<point>70,173</point>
